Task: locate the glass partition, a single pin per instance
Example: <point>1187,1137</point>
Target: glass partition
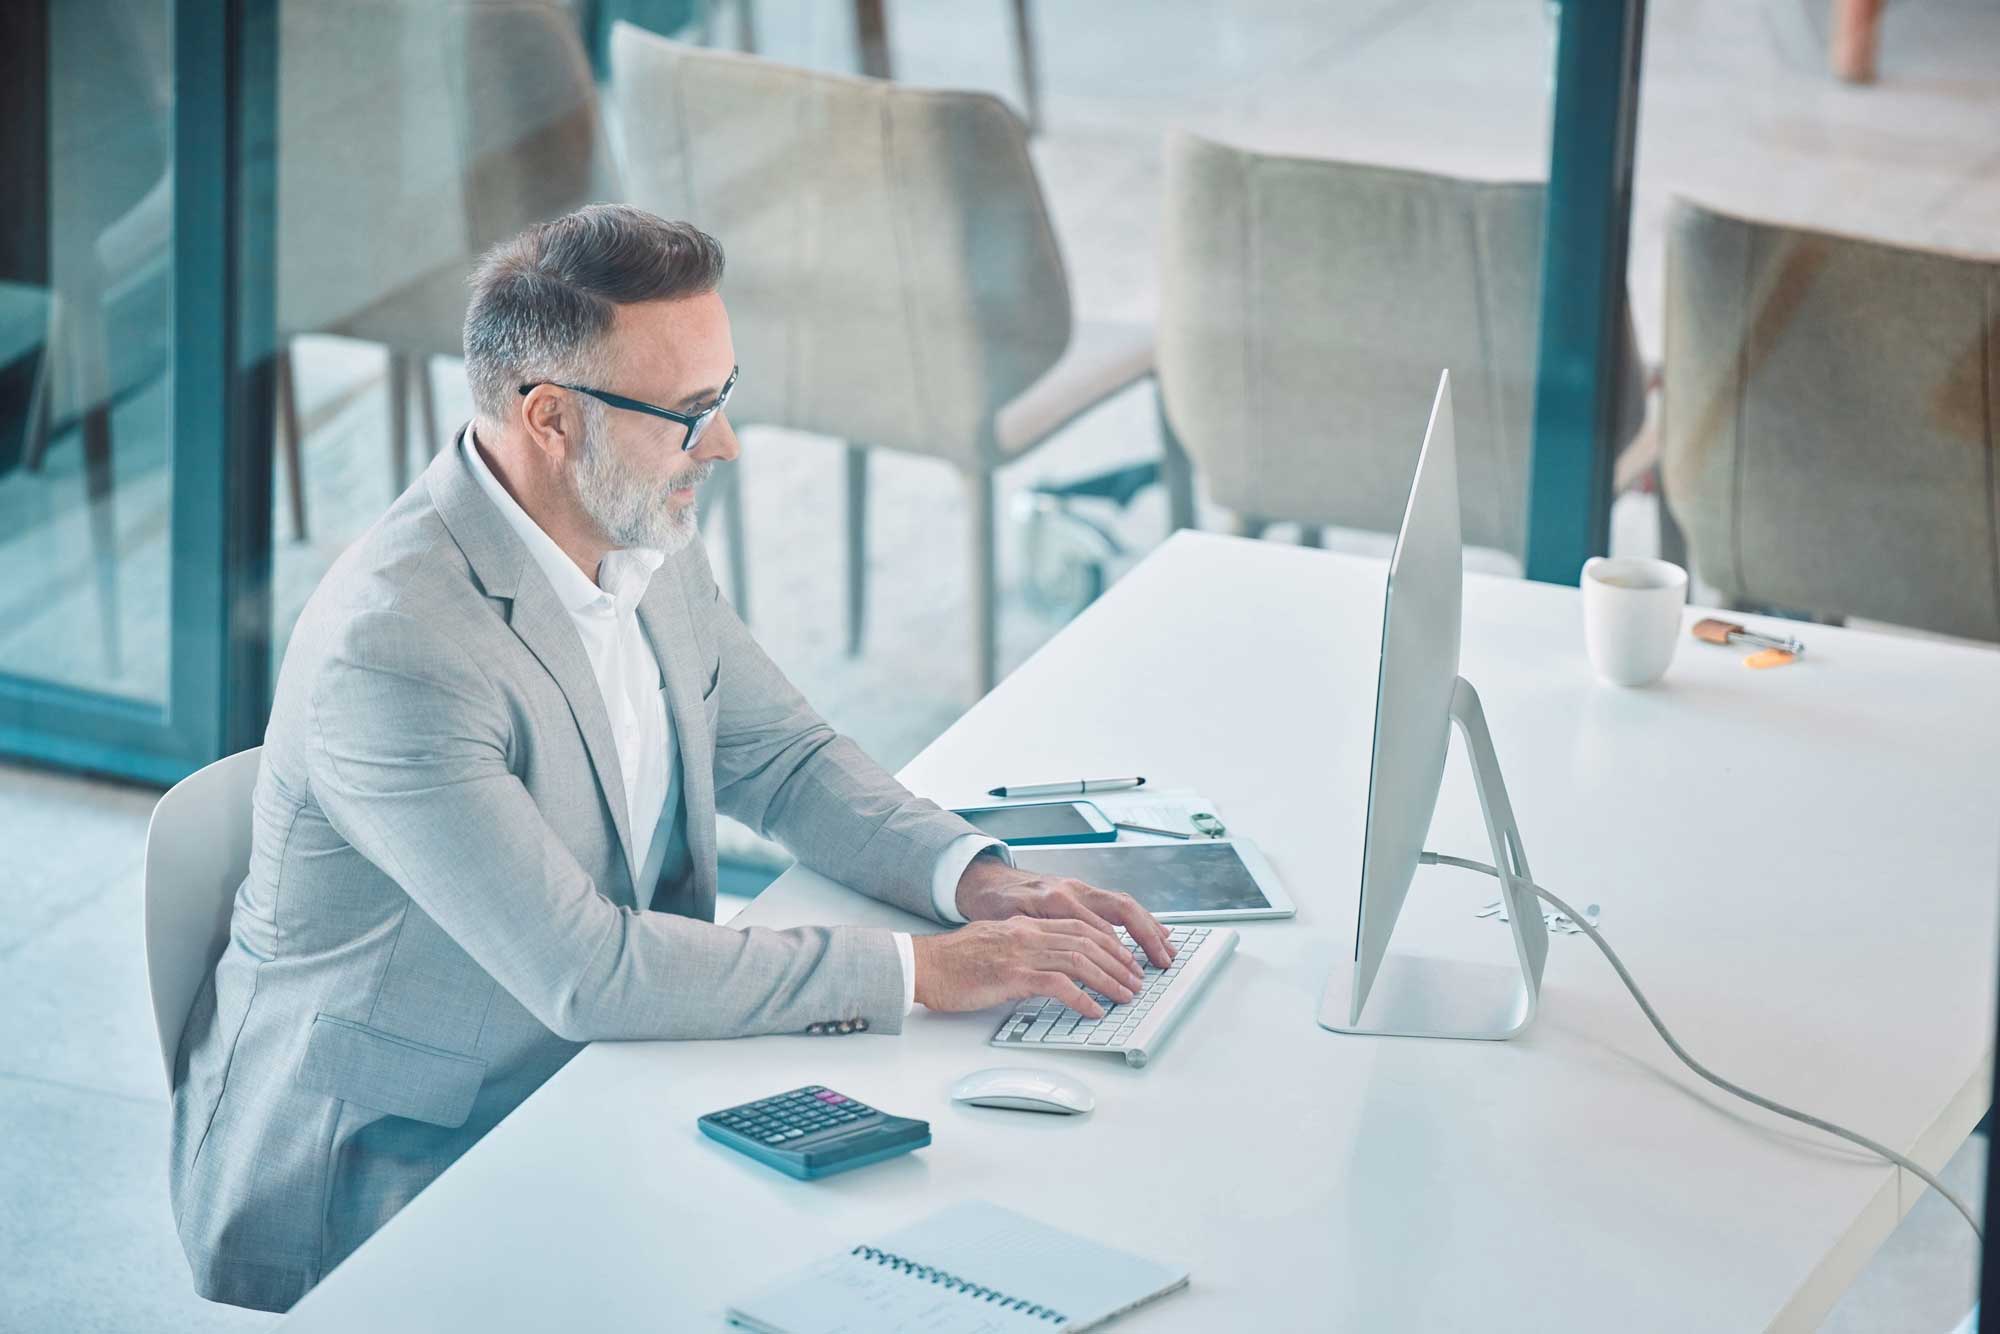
<point>86,476</point>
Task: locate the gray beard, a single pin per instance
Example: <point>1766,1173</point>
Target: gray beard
<point>632,511</point>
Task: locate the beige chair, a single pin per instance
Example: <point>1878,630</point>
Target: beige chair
<point>413,134</point>
<point>893,280</point>
<point>1830,422</point>
<point>1306,307</point>
<point>197,853</point>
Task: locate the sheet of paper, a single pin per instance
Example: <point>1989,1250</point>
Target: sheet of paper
<point>1162,808</point>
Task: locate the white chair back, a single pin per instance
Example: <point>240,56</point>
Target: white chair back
<point>1828,424</point>
<point>1305,308</point>
<point>197,853</point>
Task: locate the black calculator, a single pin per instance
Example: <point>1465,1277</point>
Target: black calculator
<point>814,1132</point>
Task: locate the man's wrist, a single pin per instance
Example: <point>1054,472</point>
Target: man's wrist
<point>920,949</point>
<point>988,873</point>
<point>953,865</point>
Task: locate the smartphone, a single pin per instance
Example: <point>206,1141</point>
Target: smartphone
<point>1033,823</point>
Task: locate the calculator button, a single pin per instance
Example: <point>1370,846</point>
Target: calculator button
<point>829,1097</point>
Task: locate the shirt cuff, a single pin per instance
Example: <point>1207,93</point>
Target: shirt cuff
<point>908,954</point>
<point>951,864</point>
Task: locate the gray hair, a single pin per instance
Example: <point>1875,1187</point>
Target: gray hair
<point>543,302</point>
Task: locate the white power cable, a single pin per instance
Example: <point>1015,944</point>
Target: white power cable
<point>1652,1017</point>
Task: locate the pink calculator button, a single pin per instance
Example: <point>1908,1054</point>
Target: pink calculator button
<point>829,1096</point>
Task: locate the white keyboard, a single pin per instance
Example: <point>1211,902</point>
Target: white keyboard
<point>1135,1029</point>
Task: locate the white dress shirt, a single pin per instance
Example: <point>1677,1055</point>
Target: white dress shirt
<point>605,613</point>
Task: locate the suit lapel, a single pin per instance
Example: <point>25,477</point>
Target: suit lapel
<point>542,624</point>
<point>504,570</point>
<point>669,624</point>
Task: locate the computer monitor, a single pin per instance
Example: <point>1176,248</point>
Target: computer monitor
<point>1419,697</point>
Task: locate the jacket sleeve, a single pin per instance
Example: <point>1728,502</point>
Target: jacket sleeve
<point>409,763</point>
<point>783,771</point>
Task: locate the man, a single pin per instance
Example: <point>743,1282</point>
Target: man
<point>484,821</point>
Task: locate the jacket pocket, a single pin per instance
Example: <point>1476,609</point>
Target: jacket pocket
<point>385,1073</point>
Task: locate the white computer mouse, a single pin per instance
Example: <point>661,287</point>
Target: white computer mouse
<point>1024,1090</point>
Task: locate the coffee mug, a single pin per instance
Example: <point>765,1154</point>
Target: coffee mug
<point>1632,617</point>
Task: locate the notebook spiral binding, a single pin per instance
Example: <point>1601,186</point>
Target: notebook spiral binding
<point>954,1283</point>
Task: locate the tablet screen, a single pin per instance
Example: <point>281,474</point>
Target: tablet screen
<point>1038,821</point>
<point>1164,877</point>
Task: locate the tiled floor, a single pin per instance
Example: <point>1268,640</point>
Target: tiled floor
<point>1735,111</point>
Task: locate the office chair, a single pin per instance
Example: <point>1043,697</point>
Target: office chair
<point>894,279</point>
<point>414,134</point>
<point>197,853</point>
<point>1306,307</point>
<point>1829,427</point>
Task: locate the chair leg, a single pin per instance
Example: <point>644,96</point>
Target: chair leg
<point>985,591</point>
<point>399,420</point>
<point>36,424</point>
<point>1031,74</point>
<point>41,412</point>
<point>1178,470</point>
<point>427,408</point>
<point>291,443</point>
<point>98,486</point>
<point>1249,525</point>
<point>871,38</point>
<point>857,545</point>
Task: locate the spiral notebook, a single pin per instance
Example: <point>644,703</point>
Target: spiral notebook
<point>974,1268</point>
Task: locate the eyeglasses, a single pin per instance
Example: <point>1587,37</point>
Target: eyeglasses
<point>695,422</point>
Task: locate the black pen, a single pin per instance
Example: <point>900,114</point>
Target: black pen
<point>1075,789</point>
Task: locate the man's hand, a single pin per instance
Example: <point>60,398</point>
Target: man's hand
<point>987,963</point>
<point>990,890</point>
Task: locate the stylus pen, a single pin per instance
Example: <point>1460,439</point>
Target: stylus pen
<point>1076,789</point>
<point>1148,829</point>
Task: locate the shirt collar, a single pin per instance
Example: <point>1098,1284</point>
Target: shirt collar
<point>624,573</point>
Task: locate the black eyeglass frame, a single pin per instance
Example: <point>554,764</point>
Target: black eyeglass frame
<point>695,422</point>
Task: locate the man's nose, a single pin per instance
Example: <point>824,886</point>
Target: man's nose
<point>718,442</point>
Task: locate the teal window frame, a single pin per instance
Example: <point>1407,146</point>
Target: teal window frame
<point>1585,235</point>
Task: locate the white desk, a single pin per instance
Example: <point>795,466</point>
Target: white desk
<point>1799,865</point>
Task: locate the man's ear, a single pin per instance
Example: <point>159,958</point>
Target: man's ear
<point>549,420</point>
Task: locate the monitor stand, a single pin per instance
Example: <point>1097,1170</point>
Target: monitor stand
<point>1420,997</point>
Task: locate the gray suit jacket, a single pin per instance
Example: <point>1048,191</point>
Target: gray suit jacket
<point>439,911</point>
